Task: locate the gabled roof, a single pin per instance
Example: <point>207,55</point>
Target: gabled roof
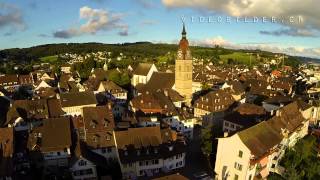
<point>99,125</point>
<point>267,134</point>
<point>260,138</point>
<point>160,80</point>
<point>53,135</point>
<point>9,79</point>
<point>112,87</point>
<point>27,109</point>
<point>142,69</point>
<point>215,101</point>
<point>77,99</point>
<point>138,137</point>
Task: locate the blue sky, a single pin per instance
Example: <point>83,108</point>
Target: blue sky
<point>25,23</point>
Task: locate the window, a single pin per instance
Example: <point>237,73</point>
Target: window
<point>89,171</point>
<point>240,154</point>
<point>237,166</point>
<point>103,150</point>
<point>82,163</point>
<point>109,149</point>
<point>236,177</point>
<point>226,124</point>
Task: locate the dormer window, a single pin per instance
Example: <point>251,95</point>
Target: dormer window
<point>93,124</point>
<point>106,122</point>
<point>108,138</point>
<point>138,152</point>
<point>95,138</point>
<point>156,150</point>
<point>126,153</point>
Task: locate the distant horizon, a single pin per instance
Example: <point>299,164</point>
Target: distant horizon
<point>168,43</point>
<point>269,26</point>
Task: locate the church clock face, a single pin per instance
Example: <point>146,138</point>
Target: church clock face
<point>179,54</point>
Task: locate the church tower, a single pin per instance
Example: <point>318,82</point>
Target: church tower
<point>183,68</point>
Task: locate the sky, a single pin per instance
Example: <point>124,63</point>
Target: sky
<point>285,26</point>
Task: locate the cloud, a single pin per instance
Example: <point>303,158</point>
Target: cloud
<point>96,20</point>
<point>146,3</point>
<point>33,5</point>
<point>148,22</point>
<point>43,35</point>
<point>7,34</point>
<point>290,32</point>
<point>306,10</point>
<point>11,17</point>
<point>124,31</point>
<point>271,47</point>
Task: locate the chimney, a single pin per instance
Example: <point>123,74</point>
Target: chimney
<point>166,92</point>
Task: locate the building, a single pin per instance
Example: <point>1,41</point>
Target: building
<point>256,151</point>
<point>72,103</point>
<point>143,73</point>
<point>6,153</point>
<point>183,68</point>
<point>148,151</point>
<point>53,140</point>
<point>244,116</point>
<point>82,164</point>
<point>112,91</point>
<point>9,82</point>
<point>97,131</point>
<point>212,106</point>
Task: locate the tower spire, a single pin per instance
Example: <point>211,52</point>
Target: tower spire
<point>184,33</point>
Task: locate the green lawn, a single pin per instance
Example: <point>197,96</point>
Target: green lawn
<point>240,57</point>
<point>49,59</point>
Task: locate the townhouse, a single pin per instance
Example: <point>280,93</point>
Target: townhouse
<point>53,140</point>
<point>148,151</point>
<point>244,116</point>
<point>97,131</point>
<point>256,151</point>
<point>72,103</point>
<point>212,106</point>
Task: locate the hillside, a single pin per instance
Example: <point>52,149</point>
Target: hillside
<point>139,51</point>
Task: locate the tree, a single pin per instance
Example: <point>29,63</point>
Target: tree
<point>118,78</point>
<point>301,161</point>
<point>205,86</point>
<point>206,140</point>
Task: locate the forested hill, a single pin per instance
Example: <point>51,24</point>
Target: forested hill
<point>139,50</point>
<point>135,49</point>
